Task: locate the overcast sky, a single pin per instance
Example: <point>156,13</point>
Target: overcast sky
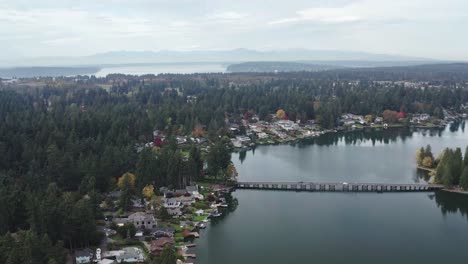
<point>423,28</point>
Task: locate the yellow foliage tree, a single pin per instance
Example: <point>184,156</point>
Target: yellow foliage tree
<point>231,171</point>
<point>281,114</point>
<point>369,118</point>
<point>316,105</point>
<point>148,191</point>
<point>420,156</point>
<point>131,178</point>
<point>427,162</point>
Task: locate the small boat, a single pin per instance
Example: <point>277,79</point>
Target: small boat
<point>216,214</point>
<point>223,205</point>
<point>202,226</point>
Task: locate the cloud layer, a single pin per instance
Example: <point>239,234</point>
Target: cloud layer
<point>425,28</point>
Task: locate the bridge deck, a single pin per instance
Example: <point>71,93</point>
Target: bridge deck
<point>339,186</point>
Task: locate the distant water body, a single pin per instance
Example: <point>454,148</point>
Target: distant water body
<point>176,68</point>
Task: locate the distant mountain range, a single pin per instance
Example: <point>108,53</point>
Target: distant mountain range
<point>219,56</point>
<point>279,66</point>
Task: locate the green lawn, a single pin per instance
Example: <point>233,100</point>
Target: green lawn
<point>199,218</point>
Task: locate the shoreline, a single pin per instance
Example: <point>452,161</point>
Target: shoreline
<point>425,169</point>
<point>458,191</point>
<point>272,142</point>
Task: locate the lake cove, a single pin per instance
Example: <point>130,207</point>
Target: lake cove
<point>303,227</point>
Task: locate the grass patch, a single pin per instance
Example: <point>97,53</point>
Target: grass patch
<point>199,218</point>
<point>177,228</point>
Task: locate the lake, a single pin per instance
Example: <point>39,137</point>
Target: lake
<point>182,68</point>
<point>302,227</point>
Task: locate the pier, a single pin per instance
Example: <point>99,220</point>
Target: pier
<point>339,186</point>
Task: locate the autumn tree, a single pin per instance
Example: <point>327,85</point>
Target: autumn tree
<point>148,191</point>
<point>281,114</point>
<point>231,171</point>
<point>427,162</point>
<point>198,131</point>
<point>390,116</point>
<point>127,178</point>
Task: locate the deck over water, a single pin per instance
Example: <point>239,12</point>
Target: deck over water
<point>339,186</point>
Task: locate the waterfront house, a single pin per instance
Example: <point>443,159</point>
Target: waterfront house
<point>419,118</point>
<point>182,196</point>
<point>287,125</point>
<point>158,245</point>
<point>240,141</point>
<point>262,135</point>
<point>163,232</point>
<point>378,120</point>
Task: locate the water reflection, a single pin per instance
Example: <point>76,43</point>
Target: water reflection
<point>242,155</point>
<point>422,175</point>
<point>232,203</point>
<point>455,126</point>
<point>451,203</point>
<point>373,136</point>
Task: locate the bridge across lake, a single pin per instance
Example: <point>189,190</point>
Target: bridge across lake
<point>339,186</point>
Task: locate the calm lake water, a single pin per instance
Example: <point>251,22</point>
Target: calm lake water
<point>300,227</point>
<point>183,68</point>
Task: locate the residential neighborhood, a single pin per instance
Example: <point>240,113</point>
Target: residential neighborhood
<point>172,219</point>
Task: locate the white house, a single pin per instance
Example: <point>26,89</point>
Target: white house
<point>193,190</point>
<point>127,255</point>
<point>173,206</point>
<point>84,256</point>
<point>287,125</point>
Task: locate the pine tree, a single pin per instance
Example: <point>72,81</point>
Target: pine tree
<point>168,256</point>
<point>464,179</point>
<point>195,163</point>
<point>126,194</point>
<point>457,166</point>
<point>428,152</point>
<point>465,161</point>
<point>144,168</point>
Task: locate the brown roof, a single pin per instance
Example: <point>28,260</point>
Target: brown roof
<point>159,244</point>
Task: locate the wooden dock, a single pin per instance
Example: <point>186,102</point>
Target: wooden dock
<point>339,186</point>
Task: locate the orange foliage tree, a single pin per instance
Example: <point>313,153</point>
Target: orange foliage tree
<point>281,114</point>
